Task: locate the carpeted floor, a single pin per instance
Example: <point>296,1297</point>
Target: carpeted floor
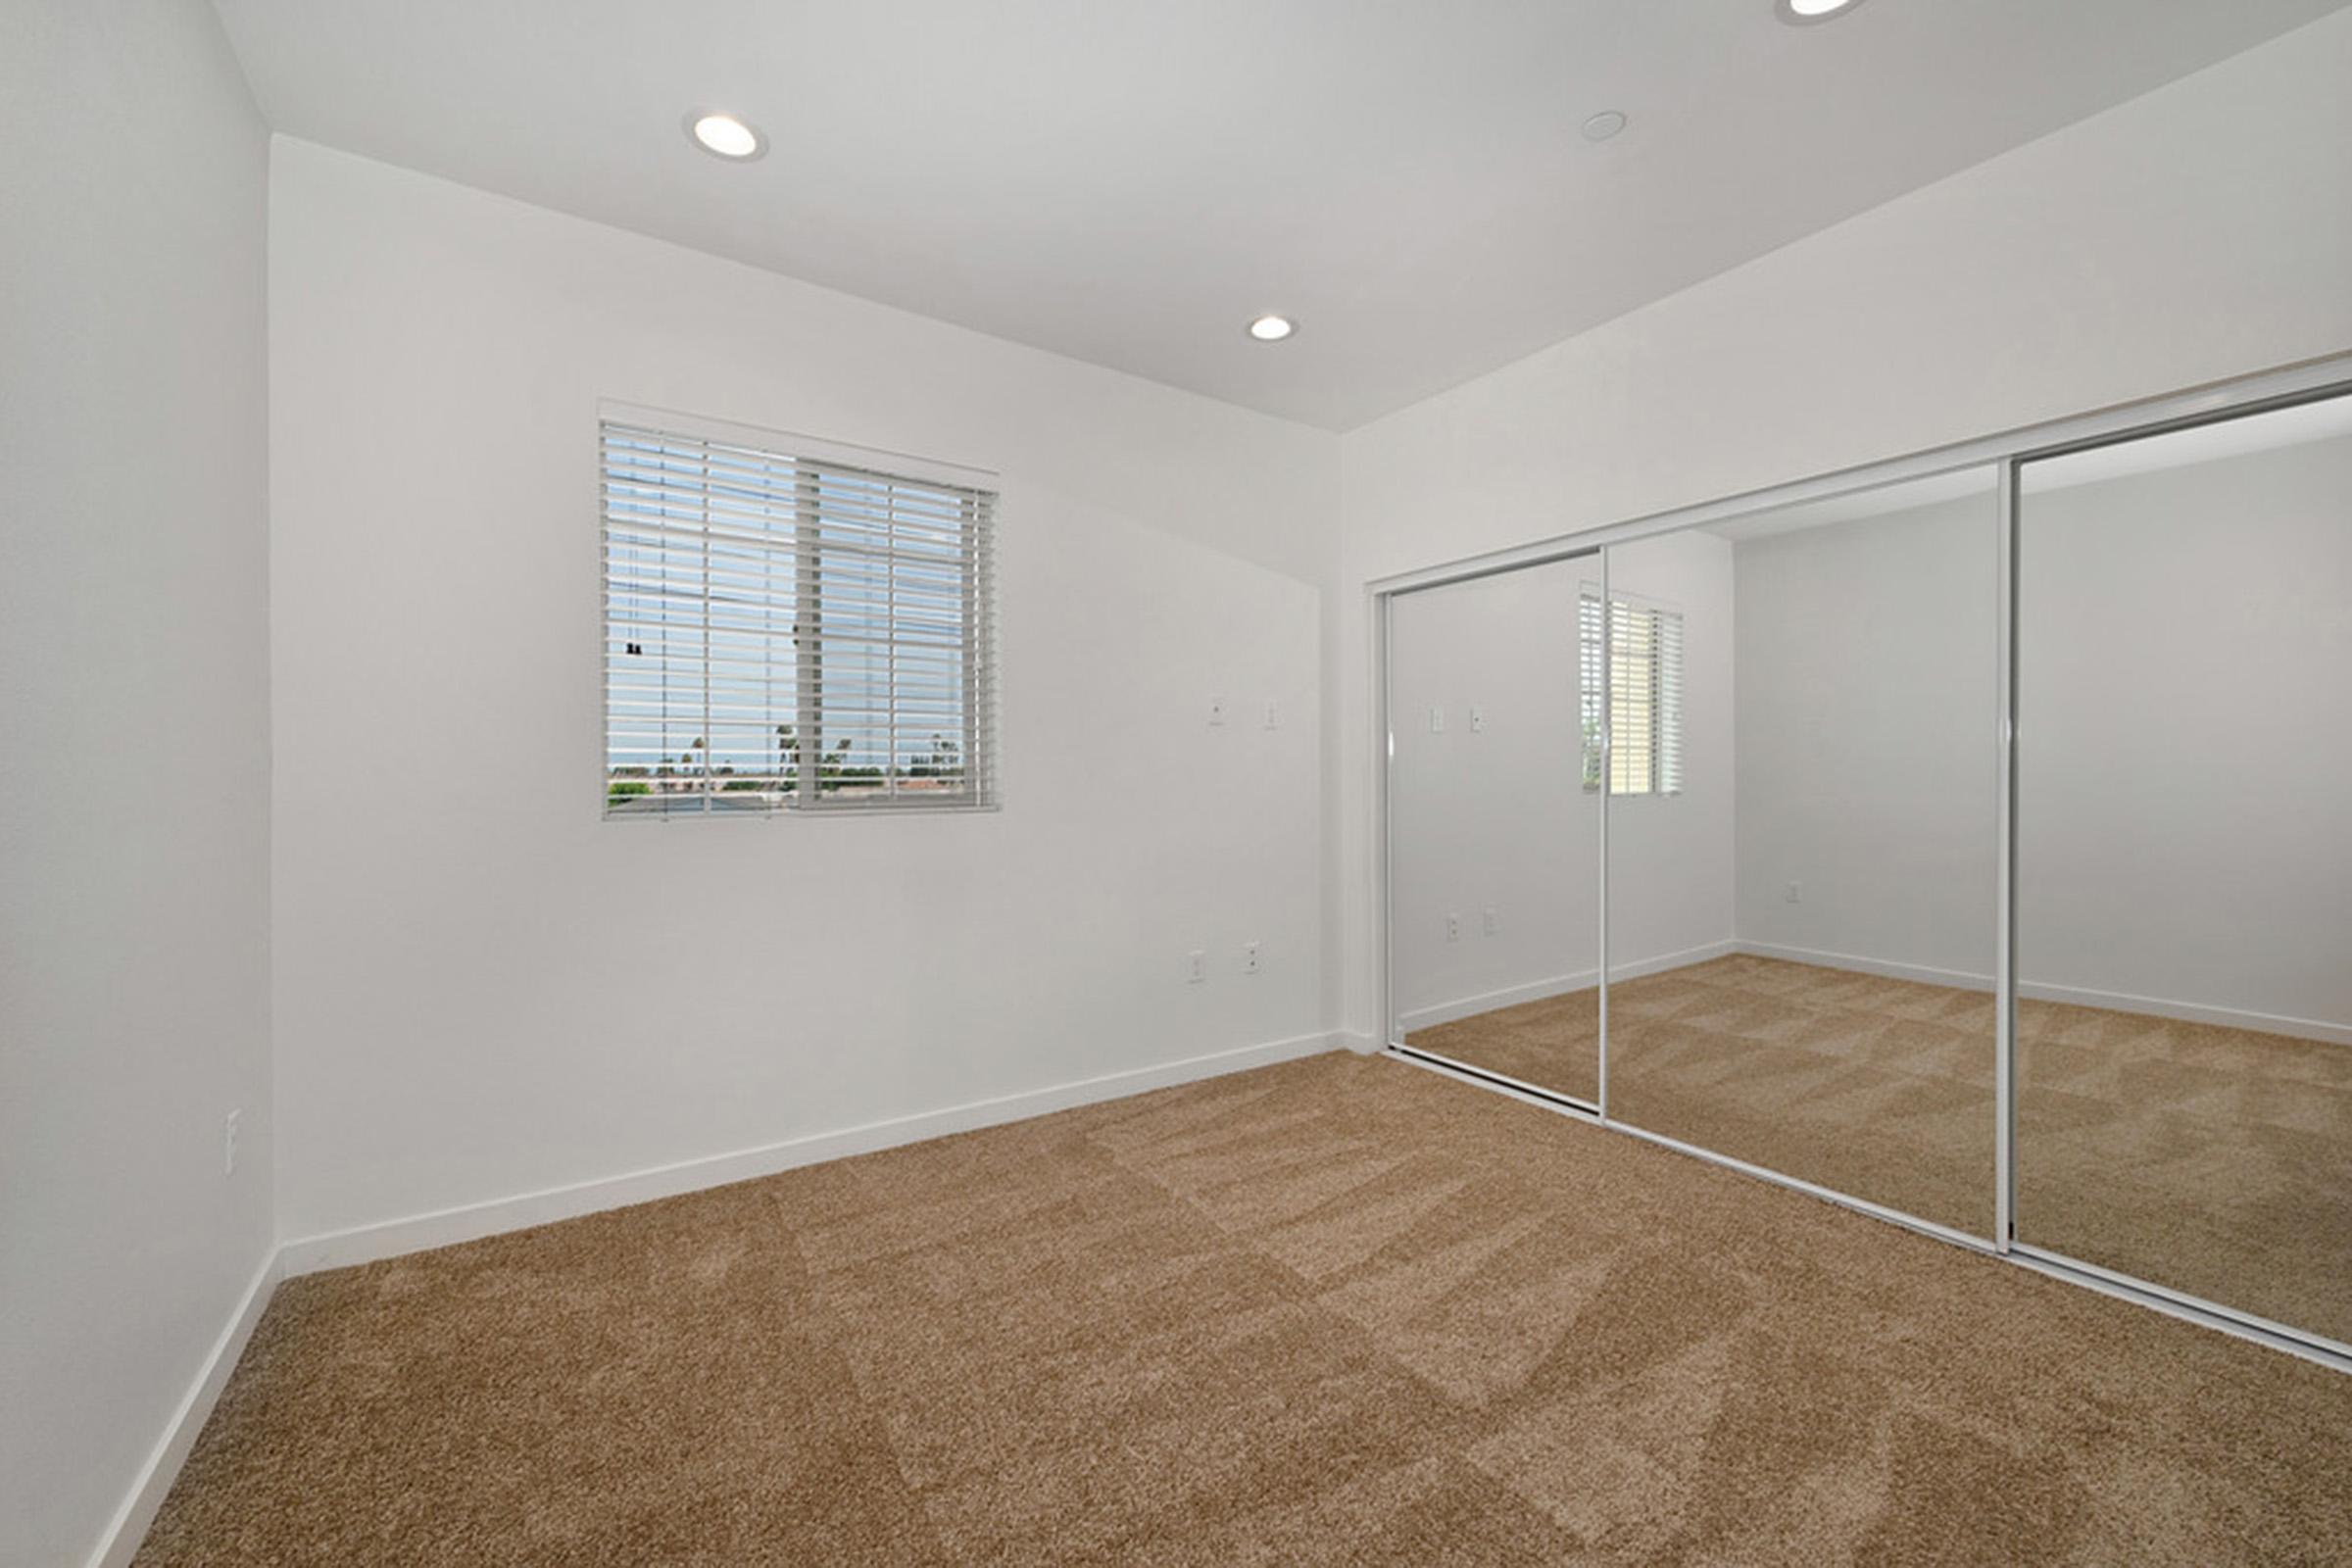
<point>1343,1310</point>
<point>2216,1161</point>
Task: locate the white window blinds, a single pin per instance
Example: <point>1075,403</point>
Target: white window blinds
<point>1644,701</point>
<point>783,632</point>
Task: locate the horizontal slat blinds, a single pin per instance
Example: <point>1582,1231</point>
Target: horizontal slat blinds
<point>788,633</point>
<point>1666,635</point>
<point>1589,674</point>
<point>1644,694</point>
<point>1633,700</point>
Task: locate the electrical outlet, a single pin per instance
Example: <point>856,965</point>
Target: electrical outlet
<point>1216,709</point>
<point>228,1143</point>
<point>1795,892</point>
<point>1494,921</point>
<point>1437,721</point>
<point>1270,713</point>
<point>1477,719</point>
<point>1454,928</point>
<point>1196,966</point>
<point>1250,958</point>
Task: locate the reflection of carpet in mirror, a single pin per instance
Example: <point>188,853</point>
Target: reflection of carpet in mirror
<point>1553,1042</point>
<point>2214,1161</point>
<point>1338,1311</point>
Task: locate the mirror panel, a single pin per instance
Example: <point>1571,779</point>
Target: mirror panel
<point>2184,861</point>
<point>1803,845</point>
<point>1494,846</point>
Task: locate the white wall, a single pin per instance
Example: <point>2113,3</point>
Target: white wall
<point>1868,680</point>
<point>134,784</point>
<point>2201,232</point>
<point>484,989</point>
<point>2185,754</point>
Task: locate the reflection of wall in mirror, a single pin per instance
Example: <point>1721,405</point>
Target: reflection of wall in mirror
<point>1496,817</point>
<point>2211,878</point>
<point>2184,687</point>
<point>1867,685</point>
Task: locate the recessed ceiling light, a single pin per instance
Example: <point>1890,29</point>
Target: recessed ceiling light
<point>1601,127</point>
<point>1801,11</point>
<point>1271,328</point>
<point>725,135</point>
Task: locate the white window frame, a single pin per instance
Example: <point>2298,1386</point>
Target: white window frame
<point>807,794</point>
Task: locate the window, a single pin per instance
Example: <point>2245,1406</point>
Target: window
<point>1645,699</point>
<point>787,631</point>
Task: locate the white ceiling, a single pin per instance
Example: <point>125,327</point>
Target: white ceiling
<point>1129,182</point>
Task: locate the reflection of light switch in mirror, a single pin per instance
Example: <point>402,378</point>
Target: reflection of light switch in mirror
<point>1477,719</point>
<point>1437,721</point>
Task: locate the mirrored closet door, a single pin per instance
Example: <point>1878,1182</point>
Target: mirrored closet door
<point>1802,845</point>
<point>1494,841</point>
<point>1973,846</point>
<point>2184,861</point>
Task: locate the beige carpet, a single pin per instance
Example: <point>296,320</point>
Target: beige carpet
<point>2216,1161</point>
<point>1339,1311</point>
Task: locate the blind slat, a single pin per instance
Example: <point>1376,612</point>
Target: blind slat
<point>1637,650</point>
<point>760,606</point>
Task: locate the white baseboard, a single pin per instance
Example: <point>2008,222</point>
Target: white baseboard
<point>1925,974</point>
<point>1363,1044</point>
<point>1436,1013</point>
<point>121,1540</point>
<point>2335,1034</point>
<point>1664,961</point>
<point>2073,995</point>
<point>367,1243</point>
<point>1555,986</point>
<point>1957,979</point>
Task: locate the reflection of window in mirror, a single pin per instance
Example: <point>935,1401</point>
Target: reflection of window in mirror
<point>1645,697</point>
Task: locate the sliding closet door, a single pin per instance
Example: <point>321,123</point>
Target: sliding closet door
<point>1494,846</point>
<point>2184,861</point>
<point>1804,849</point>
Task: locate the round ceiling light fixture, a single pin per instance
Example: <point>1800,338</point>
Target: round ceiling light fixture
<point>1271,328</point>
<point>725,136</point>
<point>1804,13</point>
<point>1601,127</point>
